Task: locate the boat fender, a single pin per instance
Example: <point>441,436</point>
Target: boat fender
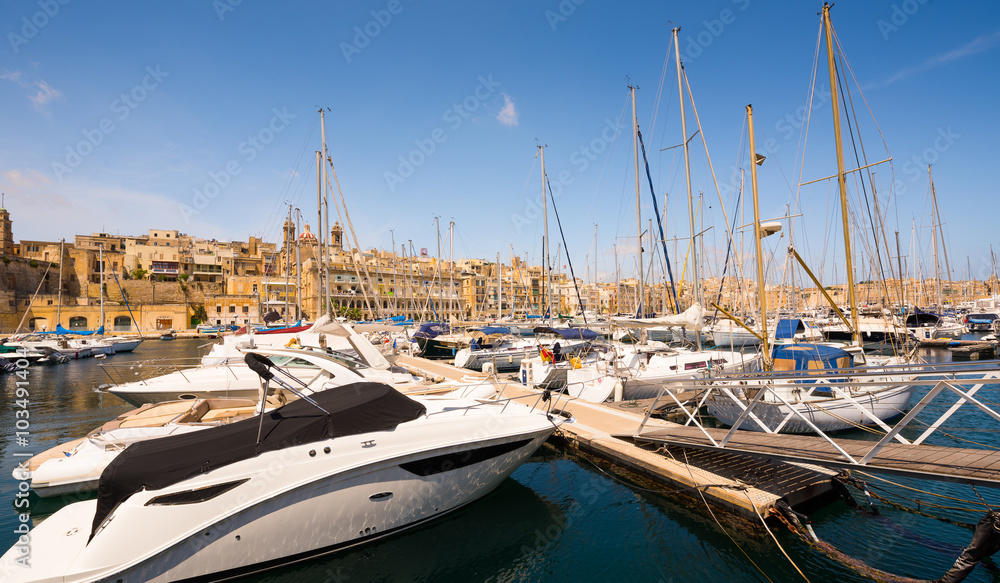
<point>838,485</point>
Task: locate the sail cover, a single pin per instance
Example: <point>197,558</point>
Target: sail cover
<point>692,318</point>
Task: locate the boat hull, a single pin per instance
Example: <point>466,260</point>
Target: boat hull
<point>734,339</point>
<point>503,360</point>
<point>435,350</point>
<point>282,515</point>
<point>833,414</point>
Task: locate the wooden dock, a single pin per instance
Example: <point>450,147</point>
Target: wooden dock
<point>736,483</point>
<point>954,464</point>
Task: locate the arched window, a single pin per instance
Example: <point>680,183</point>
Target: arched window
<point>123,323</point>
<point>77,323</point>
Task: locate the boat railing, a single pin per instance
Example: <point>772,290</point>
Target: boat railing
<point>141,370</point>
<point>547,401</point>
<point>787,391</point>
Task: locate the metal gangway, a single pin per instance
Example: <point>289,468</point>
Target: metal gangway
<point>770,402</point>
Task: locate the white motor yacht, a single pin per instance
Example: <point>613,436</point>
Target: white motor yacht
<point>75,466</point>
<point>633,371</point>
<point>315,368</point>
<point>307,479</point>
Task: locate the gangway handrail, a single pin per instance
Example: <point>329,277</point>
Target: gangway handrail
<point>722,384</point>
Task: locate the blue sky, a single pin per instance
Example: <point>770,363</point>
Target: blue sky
<point>202,116</point>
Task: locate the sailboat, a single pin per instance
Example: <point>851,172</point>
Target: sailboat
<point>809,386</point>
<point>640,370</point>
<point>924,325</point>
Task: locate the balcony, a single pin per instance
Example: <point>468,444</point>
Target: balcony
<point>204,269</point>
<point>165,268</point>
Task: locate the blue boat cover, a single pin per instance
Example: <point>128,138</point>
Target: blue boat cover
<point>431,330</point>
<point>569,333</point>
<point>805,357</point>
<point>786,328</point>
<point>61,330</point>
<point>493,330</point>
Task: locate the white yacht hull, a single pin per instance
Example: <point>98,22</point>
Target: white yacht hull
<point>289,505</point>
<point>832,414</point>
<point>734,338</point>
<point>124,345</point>
<point>228,381</point>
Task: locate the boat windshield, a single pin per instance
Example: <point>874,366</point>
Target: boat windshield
<point>291,362</point>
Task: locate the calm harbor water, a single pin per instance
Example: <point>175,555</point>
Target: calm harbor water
<point>559,517</point>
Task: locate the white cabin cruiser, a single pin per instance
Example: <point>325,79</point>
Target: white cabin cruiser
<point>316,368</point>
<point>76,466</point>
<point>304,480</point>
<point>632,371</point>
<point>505,352</point>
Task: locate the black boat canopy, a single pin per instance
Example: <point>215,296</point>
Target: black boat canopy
<point>354,409</point>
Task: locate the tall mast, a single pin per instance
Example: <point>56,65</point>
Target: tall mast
<point>968,277</point>
<point>696,281</point>
<point>618,290</point>
<point>993,281</point>
<point>298,269</point>
<point>940,226</point>
<point>395,289</point>
<point>513,291</point>
<point>324,227</point>
<point>918,268</point>
<point>841,175</point>
<point>545,236</point>
<point>451,267</point>
<point>899,264</point>
<point>638,212</point>
<point>499,288</point>
<point>596,306</point>
<point>288,259</point>
<point>437,227</point>
<point>319,234</point>
<point>761,287</point>
<point>62,245</point>
<point>100,255</point>
<point>413,294</point>
<point>934,221</point>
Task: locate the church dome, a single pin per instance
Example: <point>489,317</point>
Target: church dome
<point>306,235</point>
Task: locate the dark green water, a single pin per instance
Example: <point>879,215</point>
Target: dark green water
<point>558,518</point>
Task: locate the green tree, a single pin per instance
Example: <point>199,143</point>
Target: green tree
<point>350,313</point>
<point>139,273</point>
<point>198,314</point>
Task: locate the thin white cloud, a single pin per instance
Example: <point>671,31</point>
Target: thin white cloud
<point>14,76</point>
<point>508,114</point>
<point>28,178</point>
<point>45,93</point>
<point>976,45</point>
<point>85,207</point>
